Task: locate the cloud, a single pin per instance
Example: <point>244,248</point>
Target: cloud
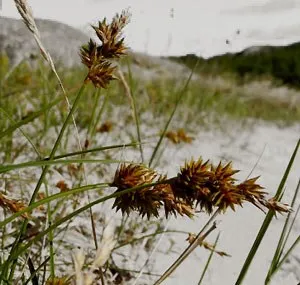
<point>271,6</point>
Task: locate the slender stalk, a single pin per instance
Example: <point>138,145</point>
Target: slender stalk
<point>46,200</point>
<point>179,98</point>
<point>283,239</point>
<point>25,247</point>
<point>208,260</point>
<point>130,95</point>
<point>37,188</point>
<point>99,115</point>
<point>189,249</point>
<point>295,243</point>
<point>266,222</point>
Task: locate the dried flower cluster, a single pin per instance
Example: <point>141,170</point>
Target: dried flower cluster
<point>178,136</point>
<point>191,238</point>
<point>12,205</point>
<point>198,184</point>
<point>98,58</point>
<point>148,200</point>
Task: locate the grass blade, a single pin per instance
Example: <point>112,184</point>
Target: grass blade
<point>189,249</point>
<point>266,222</point>
<point>21,249</point>
<point>48,199</point>
<point>28,119</point>
<point>179,98</point>
<point>283,239</point>
<point>208,260</point>
<point>101,148</point>
<point>42,163</point>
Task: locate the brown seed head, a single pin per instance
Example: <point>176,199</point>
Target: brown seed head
<point>276,206</point>
<point>191,182</point>
<point>58,281</point>
<point>101,74</point>
<point>12,205</point>
<point>144,200</point>
<point>98,57</point>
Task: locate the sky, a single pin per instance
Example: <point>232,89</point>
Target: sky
<point>176,27</point>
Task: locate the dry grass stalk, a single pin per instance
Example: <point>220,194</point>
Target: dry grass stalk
<point>191,238</point>
<point>27,15</point>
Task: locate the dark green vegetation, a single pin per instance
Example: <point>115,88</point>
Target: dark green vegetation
<point>282,63</point>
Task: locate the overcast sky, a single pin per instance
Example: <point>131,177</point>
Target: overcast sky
<point>175,27</point>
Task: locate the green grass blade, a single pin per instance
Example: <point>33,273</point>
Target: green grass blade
<point>101,148</point>
<point>283,238</point>
<point>208,260</point>
<point>147,236</point>
<point>90,126</point>
<point>41,163</point>
<point>46,200</point>
<point>294,219</point>
<point>37,270</point>
<point>287,254</point>
<point>134,110</point>
<point>21,249</point>
<point>184,255</point>
<point>280,262</point>
<point>23,133</point>
<point>11,263</point>
<point>179,98</point>
<point>28,119</point>
<point>266,222</point>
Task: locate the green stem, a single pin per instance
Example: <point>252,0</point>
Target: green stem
<point>188,250</point>
<point>12,258</point>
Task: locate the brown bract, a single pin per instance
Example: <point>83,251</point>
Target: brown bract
<point>98,58</point>
<point>198,184</point>
<point>13,205</point>
<point>147,201</point>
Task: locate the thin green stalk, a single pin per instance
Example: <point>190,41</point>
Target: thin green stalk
<point>100,113</point>
<point>287,254</point>
<point>28,119</point>
<point>200,236</point>
<point>135,113</point>
<point>147,236</point>
<point>47,200</point>
<point>179,98</point>
<point>37,271</point>
<point>50,235</point>
<point>37,188</point>
<point>90,127</point>
<point>208,260</point>
<point>279,262</point>
<point>101,148</point>
<point>25,247</point>
<point>289,215</point>
<point>16,125</point>
<point>266,222</point>
<point>282,240</point>
<point>48,163</point>
<point>129,94</point>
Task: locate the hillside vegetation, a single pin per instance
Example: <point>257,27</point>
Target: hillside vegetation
<point>282,63</point>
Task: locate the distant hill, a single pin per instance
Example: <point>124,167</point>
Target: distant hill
<point>280,62</point>
<point>61,40</point>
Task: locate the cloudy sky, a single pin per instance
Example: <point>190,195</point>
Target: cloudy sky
<point>176,27</point>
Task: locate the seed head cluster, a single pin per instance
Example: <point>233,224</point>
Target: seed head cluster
<point>98,58</point>
<point>198,186</point>
<point>13,205</point>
